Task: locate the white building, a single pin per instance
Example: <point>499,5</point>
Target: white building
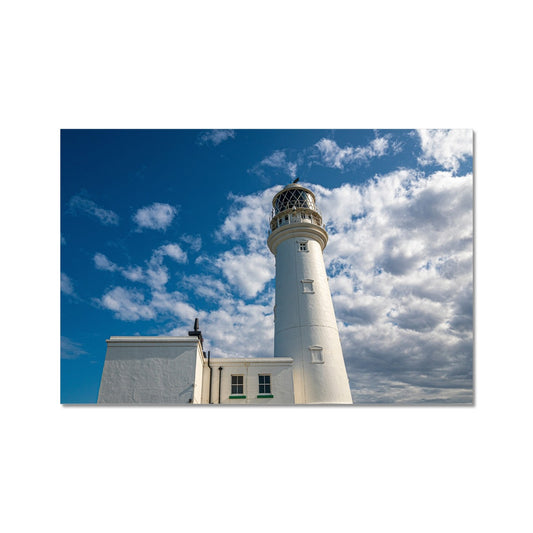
<point>308,365</point>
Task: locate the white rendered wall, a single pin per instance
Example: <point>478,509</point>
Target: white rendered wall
<point>280,371</point>
<point>305,320</point>
<point>152,370</point>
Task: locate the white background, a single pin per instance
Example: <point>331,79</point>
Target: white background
<point>207,64</point>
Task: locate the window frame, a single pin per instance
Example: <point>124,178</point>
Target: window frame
<point>237,394</point>
<point>267,387</point>
<point>308,286</point>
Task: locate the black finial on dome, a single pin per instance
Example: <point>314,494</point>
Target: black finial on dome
<point>296,180</point>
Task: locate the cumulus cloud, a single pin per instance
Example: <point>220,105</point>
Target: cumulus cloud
<point>194,241</point>
<point>215,137</point>
<point>156,216</point>
<point>278,159</point>
<point>172,303</point>
<point>400,264</point>
<point>133,273</point>
<point>447,148</point>
<point>154,274</point>
<point>330,154</point>
<point>250,268</point>
<point>172,250</point>
<point>127,304</point>
<point>247,219</point>
<point>248,273</point>
<point>132,304</point>
<point>66,285</point>
<point>101,262</point>
<point>207,287</point>
<point>81,204</point>
<point>238,329</point>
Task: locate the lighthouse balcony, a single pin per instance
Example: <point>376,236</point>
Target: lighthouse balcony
<point>295,216</point>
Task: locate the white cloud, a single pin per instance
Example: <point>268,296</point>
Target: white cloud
<point>194,241</point>
<point>155,274</point>
<point>156,216</point>
<point>133,273</point>
<point>80,204</point>
<point>132,305</point>
<point>278,159</point>
<point>248,273</point>
<point>173,303</point>
<point>400,264</point>
<point>207,287</point>
<point>248,269</point>
<point>445,147</point>
<point>173,251</point>
<point>101,262</point>
<point>237,329</point>
<point>66,285</point>
<point>215,137</point>
<point>127,304</point>
<point>330,154</point>
<point>248,219</point>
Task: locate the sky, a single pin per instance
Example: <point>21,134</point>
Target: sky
<point>159,227</point>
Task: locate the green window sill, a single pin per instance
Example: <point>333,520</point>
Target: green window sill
<point>265,396</point>
<point>236,397</point>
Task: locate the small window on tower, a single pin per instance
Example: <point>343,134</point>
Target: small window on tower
<point>307,286</point>
<point>316,354</point>
<point>302,246</point>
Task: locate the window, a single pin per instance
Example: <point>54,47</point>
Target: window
<point>264,384</point>
<point>237,385</point>
<point>302,246</point>
<point>307,285</point>
<point>316,354</point>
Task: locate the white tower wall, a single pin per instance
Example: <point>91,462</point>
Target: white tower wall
<point>305,323</point>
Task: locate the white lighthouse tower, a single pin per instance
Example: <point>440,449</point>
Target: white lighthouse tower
<point>305,324</point>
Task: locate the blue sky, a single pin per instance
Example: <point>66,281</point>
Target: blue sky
<point>161,226</point>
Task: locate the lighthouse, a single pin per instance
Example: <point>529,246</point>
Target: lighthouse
<point>305,325</point>
<point>308,365</point>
